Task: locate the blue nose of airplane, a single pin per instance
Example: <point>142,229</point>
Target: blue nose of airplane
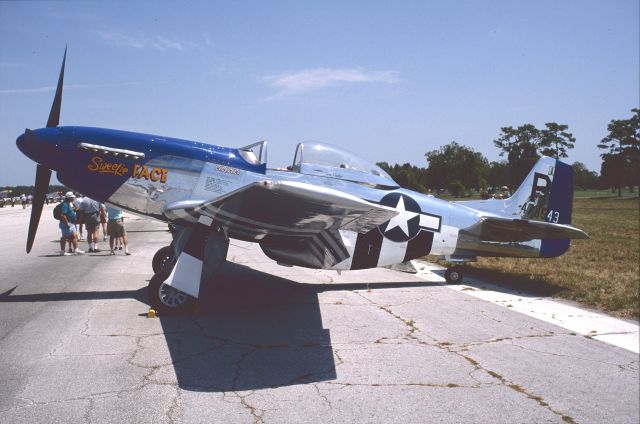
<point>41,146</point>
<point>26,144</point>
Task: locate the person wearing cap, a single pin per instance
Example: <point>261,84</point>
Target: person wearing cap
<point>68,225</point>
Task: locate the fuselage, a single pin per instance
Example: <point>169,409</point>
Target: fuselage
<point>144,173</point>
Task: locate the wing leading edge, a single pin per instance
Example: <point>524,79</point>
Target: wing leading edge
<point>284,208</point>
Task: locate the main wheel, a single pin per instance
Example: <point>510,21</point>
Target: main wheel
<point>453,275</point>
<point>162,258</point>
<point>166,299</point>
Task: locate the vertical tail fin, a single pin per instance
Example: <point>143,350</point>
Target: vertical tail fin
<point>546,195</point>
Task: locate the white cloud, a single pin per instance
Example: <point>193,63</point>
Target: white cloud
<point>28,90</point>
<point>291,83</point>
<point>142,41</point>
<point>52,88</point>
<point>162,43</point>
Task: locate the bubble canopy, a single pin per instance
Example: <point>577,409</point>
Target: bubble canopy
<point>313,158</point>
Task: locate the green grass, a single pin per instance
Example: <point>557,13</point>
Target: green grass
<point>593,194</point>
<point>602,272</point>
<point>577,194</point>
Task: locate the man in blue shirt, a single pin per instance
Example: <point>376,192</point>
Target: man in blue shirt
<point>68,225</point>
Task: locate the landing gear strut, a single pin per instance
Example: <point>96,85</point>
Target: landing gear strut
<point>454,274</point>
<point>175,286</point>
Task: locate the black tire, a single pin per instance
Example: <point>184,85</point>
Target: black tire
<point>454,275</point>
<point>165,299</point>
<point>162,259</point>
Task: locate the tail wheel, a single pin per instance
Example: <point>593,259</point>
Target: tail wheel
<point>453,275</point>
<point>166,299</point>
<point>163,258</point>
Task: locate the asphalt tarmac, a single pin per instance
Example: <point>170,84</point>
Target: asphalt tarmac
<point>273,344</point>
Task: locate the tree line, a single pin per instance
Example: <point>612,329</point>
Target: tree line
<point>459,168</point>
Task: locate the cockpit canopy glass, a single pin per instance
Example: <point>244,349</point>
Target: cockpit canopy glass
<point>322,159</point>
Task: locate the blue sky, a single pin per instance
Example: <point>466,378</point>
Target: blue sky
<point>389,80</point>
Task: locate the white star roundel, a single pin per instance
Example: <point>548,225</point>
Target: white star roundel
<point>406,224</point>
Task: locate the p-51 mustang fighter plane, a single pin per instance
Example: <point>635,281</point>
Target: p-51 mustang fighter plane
<point>330,209</point>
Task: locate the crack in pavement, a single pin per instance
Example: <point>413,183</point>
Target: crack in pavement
<point>560,355</point>
<point>256,413</point>
<point>174,408</point>
<point>87,414</point>
<point>238,369</point>
<point>631,366</point>
<point>323,397</point>
<point>466,346</point>
<point>449,348</point>
<point>415,384</point>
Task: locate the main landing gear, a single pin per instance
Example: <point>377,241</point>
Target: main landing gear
<point>162,259</point>
<point>165,256</point>
<point>454,274</point>
<point>166,299</point>
<point>196,255</point>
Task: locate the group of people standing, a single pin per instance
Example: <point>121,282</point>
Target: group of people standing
<point>78,211</point>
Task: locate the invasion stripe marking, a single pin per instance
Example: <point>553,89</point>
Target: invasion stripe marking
<point>419,246</point>
<point>337,248</point>
<point>367,250</point>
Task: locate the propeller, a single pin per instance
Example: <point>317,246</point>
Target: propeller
<point>43,175</point>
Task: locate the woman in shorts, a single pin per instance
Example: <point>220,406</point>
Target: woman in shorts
<point>115,229</point>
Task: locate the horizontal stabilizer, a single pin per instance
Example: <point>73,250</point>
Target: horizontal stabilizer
<point>492,228</point>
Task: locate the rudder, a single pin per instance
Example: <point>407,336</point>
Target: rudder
<point>559,209</point>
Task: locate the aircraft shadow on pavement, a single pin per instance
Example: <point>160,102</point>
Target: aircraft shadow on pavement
<point>253,330</point>
<point>9,297</point>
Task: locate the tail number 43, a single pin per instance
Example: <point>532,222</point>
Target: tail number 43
<point>553,216</point>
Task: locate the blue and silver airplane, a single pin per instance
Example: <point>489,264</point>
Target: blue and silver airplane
<point>329,209</point>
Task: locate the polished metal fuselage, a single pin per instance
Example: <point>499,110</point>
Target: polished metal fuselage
<point>200,181</point>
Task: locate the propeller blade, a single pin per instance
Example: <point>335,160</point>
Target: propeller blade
<point>43,175</point>
<point>54,115</point>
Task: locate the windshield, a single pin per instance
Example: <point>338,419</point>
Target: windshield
<point>331,161</point>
